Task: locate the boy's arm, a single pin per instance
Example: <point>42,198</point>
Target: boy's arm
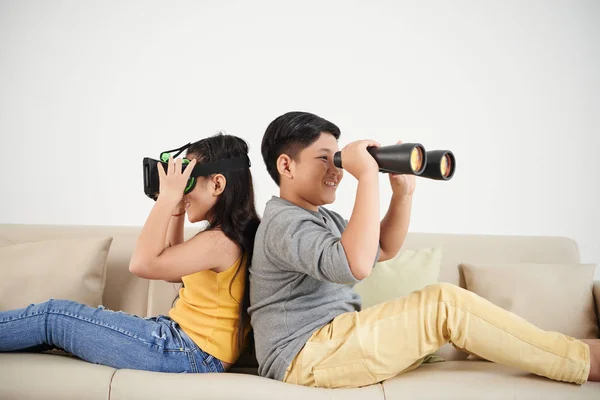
<point>360,239</point>
<point>298,242</point>
<point>394,226</point>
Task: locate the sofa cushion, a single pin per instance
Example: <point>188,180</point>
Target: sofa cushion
<point>142,385</point>
<point>554,297</point>
<point>26,376</point>
<point>409,271</point>
<point>71,269</point>
<point>466,380</point>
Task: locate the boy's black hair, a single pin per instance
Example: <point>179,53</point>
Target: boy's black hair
<point>291,133</point>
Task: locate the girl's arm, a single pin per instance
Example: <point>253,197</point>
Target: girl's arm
<point>176,223</point>
<point>210,249</point>
<point>207,250</point>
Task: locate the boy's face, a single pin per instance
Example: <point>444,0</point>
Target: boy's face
<point>315,177</point>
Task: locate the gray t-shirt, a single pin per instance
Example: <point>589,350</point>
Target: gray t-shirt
<point>300,280</point>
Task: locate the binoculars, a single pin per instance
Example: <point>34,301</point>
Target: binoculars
<point>410,159</point>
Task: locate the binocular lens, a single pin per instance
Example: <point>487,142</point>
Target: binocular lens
<point>416,159</point>
<point>446,165</point>
<point>440,165</point>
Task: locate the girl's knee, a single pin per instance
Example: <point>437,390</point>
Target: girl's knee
<point>58,305</point>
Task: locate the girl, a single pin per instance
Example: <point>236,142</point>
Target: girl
<point>207,327</point>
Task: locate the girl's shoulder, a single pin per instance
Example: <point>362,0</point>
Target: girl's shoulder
<point>224,251</point>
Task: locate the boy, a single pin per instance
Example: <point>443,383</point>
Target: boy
<point>308,325</point>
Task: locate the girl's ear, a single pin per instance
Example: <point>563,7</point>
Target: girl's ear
<point>285,166</point>
<point>218,183</point>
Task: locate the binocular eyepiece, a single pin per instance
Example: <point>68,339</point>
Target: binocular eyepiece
<point>410,159</point>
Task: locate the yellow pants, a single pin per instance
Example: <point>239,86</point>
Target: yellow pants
<point>366,347</point>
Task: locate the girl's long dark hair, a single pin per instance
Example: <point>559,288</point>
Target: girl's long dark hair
<point>234,212</point>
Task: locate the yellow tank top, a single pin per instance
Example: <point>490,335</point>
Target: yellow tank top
<point>208,309</point>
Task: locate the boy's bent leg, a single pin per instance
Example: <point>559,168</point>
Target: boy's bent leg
<point>363,348</point>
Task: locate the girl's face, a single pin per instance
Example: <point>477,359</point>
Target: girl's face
<point>204,195</point>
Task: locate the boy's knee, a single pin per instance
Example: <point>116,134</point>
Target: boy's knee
<point>447,289</point>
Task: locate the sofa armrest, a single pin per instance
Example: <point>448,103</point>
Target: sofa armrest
<point>596,290</point>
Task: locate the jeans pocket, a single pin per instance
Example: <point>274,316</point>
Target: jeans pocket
<point>211,363</point>
<point>167,336</point>
<point>207,359</point>
<point>349,374</point>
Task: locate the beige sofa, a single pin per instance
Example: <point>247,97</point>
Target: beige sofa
<point>49,376</point>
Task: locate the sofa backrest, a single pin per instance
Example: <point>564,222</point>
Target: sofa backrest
<point>134,295</point>
<point>129,293</point>
<point>123,290</point>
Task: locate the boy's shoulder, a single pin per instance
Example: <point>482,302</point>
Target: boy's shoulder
<point>278,208</point>
<point>285,211</point>
<point>333,215</point>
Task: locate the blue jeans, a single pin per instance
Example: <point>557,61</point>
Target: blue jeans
<point>101,336</point>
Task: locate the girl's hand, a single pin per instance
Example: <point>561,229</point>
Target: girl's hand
<point>173,182</point>
<point>180,208</point>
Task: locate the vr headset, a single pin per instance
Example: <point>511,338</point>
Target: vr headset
<point>152,181</point>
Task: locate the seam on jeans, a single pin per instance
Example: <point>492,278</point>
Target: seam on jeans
<point>21,317</point>
<point>4,321</point>
<point>193,363</point>
<point>46,325</point>
<point>112,328</point>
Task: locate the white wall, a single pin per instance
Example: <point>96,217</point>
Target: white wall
<point>88,88</point>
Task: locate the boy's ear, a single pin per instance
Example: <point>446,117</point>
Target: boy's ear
<point>284,166</point>
<point>218,183</point>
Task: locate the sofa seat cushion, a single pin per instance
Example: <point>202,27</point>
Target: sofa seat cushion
<point>463,380</point>
<point>27,376</point>
<point>142,385</point>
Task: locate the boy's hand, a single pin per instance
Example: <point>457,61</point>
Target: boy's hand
<point>403,185</point>
<point>173,182</point>
<point>357,160</point>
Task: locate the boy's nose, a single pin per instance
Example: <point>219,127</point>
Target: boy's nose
<point>334,170</point>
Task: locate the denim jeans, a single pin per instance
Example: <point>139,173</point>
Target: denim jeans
<point>101,336</point>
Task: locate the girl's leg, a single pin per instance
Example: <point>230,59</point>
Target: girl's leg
<point>366,347</point>
<point>101,336</point>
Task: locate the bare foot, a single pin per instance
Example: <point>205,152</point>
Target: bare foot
<point>594,359</point>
